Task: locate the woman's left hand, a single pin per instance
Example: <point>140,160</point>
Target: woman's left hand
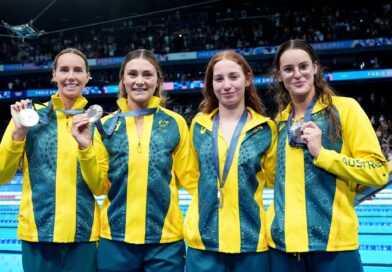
<point>311,136</point>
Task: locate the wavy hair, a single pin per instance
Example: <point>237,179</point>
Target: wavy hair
<point>323,90</point>
<point>210,101</point>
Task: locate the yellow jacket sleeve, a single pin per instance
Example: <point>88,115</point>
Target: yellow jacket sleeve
<point>184,163</point>
<point>361,159</point>
<point>11,153</point>
<point>269,159</point>
<point>94,164</point>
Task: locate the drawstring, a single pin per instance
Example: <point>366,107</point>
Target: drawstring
<point>298,256</point>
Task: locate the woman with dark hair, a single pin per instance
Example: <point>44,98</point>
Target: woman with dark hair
<point>59,217</point>
<point>326,148</point>
<point>233,149</point>
<point>139,161</point>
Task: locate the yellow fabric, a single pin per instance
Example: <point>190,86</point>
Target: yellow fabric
<point>95,165</point>
<point>360,161</point>
<point>64,215</point>
<point>229,225</point>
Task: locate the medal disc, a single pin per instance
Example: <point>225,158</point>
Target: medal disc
<point>28,117</point>
<point>94,113</point>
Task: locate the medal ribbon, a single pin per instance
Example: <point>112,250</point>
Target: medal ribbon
<point>307,116</point>
<point>141,112</point>
<point>230,154</point>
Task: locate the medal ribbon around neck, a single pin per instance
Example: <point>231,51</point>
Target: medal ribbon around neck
<point>230,154</point>
<point>135,113</point>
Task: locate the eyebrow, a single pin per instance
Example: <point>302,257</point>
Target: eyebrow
<point>66,66</point>
<point>135,70</point>
<point>304,62</point>
<point>231,73</point>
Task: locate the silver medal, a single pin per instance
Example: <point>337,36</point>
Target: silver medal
<point>28,117</point>
<point>295,131</point>
<point>94,113</point>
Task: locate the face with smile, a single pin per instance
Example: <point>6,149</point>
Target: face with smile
<point>140,80</point>
<point>70,75</point>
<point>229,82</point>
<point>296,71</point>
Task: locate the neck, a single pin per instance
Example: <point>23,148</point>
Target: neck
<point>300,104</point>
<point>231,113</point>
<point>68,103</point>
<point>132,105</point>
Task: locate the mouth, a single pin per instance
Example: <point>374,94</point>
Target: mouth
<point>298,84</point>
<point>228,93</point>
<point>71,86</point>
<point>139,89</point>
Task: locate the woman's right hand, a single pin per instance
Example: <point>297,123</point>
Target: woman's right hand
<point>81,130</point>
<point>20,132</point>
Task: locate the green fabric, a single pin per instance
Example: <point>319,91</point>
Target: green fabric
<point>67,257</point>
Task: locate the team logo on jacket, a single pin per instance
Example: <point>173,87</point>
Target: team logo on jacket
<point>163,124</point>
<point>117,125</point>
<point>203,130</point>
<point>281,125</point>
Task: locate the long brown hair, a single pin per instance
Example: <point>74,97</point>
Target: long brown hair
<point>151,58</point>
<point>210,101</point>
<point>323,90</point>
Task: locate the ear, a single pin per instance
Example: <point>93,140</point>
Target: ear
<point>315,68</point>
<point>88,77</point>
<point>54,76</point>
<point>248,80</point>
<point>279,78</point>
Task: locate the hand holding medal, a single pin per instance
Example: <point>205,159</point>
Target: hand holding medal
<point>23,114</point>
<point>81,125</point>
<point>94,113</point>
<point>24,117</point>
<point>311,136</point>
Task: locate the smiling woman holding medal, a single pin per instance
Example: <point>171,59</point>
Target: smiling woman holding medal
<point>233,146</point>
<point>59,217</point>
<point>326,148</point>
<point>138,159</point>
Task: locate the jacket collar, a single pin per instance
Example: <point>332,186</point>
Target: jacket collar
<point>206,119</point>
<point>58,103</point>
<point>122,103</point>
<point>319,106</point>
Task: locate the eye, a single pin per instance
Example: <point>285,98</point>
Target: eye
<point>147,74</point>
<point>218,78</point>
<point>64,69</point>
<point>234,76</point>
<point>132,74</point>
<point>288,69</point>
<point>78,70</point>
<point>304,66</point>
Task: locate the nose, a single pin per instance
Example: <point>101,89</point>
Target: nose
<point>71,75</point>
<point>139,80</point>
<point>226,84</point>
<point>297,73</point>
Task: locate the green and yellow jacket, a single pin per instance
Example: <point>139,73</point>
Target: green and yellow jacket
<point>56,204</point>
<point>140,176</point>
<point>313,207</point>
<point>238,226</point>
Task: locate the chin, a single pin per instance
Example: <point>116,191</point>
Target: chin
<point>71,94</point>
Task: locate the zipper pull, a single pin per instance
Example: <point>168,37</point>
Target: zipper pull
<point>139,147</point>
